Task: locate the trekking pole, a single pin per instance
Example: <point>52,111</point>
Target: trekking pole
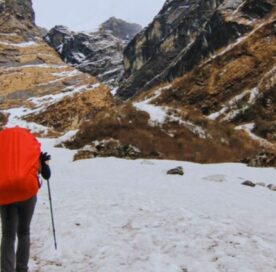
<point>52,215</point>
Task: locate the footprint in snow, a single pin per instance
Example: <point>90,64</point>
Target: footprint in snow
<point>216,178</point>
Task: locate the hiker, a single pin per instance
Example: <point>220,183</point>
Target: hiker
<point>16,216</point>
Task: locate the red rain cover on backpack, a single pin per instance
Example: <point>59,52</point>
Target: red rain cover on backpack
<point>19,162</point>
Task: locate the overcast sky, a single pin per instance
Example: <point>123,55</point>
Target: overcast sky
<point>88,14</point>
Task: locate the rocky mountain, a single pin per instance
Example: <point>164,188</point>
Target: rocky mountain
<point>121,29</point>
<point>17,16</point>
<point>221,108</point>
<point>220,104</point>
<point>98,53</point>
<point>184,34</point>
<point>32,75</point>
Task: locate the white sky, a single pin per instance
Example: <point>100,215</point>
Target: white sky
<point>88,14</point>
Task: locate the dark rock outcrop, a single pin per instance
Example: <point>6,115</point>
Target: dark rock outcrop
<point>108,148</point>
<point>121,29</point>
<point>21,9</point>
<point>272,187</point>
<point>182,35</point>
<point>176,171</point>
<point>17,16</point>
<point>98,53</point>
<point>262,159</point>
<point>2,6</point>
<point>249,183</point>
<point>3,120</point>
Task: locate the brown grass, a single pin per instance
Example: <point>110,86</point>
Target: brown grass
<point>131,127</point>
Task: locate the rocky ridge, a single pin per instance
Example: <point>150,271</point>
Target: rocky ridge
<point>98,53</point>
<point>184,34</point>
<point>17,16</point>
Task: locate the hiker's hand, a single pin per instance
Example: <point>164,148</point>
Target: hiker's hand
<point>45,157</point>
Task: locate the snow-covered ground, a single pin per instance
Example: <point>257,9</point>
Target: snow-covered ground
<point>115,215</point>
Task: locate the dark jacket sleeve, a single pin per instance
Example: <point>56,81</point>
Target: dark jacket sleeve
<point>45,171</point>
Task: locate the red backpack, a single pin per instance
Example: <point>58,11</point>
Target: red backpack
<point>19,165</point>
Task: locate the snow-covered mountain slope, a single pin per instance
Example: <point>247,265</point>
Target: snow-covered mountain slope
<point>128,215</point>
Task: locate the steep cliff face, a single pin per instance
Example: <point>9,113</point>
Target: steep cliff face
<point>16,16</point>
<point>98,53</point>
<point>184,34</point>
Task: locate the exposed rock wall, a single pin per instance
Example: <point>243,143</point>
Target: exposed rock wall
<point>235,86</point>
<point>17,16</point>
<point>21,9</point>
<point>98,53</point>
<point>182,35</point>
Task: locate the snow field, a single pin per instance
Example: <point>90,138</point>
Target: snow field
<point>121,215</point>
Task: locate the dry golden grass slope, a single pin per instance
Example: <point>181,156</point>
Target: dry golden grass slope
<point>33,76</point>
<point>30,68</point>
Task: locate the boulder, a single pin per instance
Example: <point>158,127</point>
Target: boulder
<point>272,187</point>
<point>176,171</point>
<point>249,183</point>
